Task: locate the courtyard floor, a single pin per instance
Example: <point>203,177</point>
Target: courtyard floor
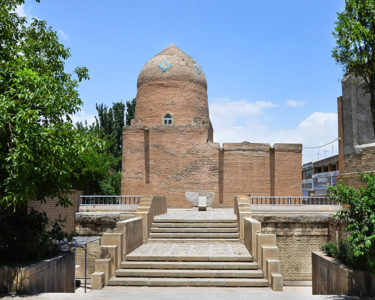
<point>166,293</point>
<point>194,214</point>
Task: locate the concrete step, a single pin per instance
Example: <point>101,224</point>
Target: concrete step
<point>189,273</point>
<point>195,225</point>
<point>206,235</point>
<point>200,230</point>
<point>163,281</point>
<point>158,219</point>
<point>195,258</point>
<point>189,265</point>
<point>189,240</point>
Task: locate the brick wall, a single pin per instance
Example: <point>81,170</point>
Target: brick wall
<point>177,159</point>
<point>364,161</point>
<point>171,160</point>
<point>246,170</point>
<point>54,211</point>
<point>288,162</point>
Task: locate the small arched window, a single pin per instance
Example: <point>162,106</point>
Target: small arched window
<point>167,119</point>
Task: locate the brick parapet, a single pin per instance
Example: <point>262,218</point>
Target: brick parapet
<point>296,148</point>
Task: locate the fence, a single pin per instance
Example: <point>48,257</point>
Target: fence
<point>319,183</point>
<point>108,200</point>
<point>291,200</point>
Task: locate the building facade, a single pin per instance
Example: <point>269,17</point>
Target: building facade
<point>169,149</point>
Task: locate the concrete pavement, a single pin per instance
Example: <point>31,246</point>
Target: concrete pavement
<point>182,293</point>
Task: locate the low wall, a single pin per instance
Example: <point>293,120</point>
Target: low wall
<point>96,223</point>
<point>124,208</point>
<point>133,233</point>
<point>299,230</point>
<point>149,207</point>
<point>331,277</point>
<point>55,275</point>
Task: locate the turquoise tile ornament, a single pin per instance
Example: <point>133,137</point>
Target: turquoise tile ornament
<point>198,70</point>
<point>165,66</point>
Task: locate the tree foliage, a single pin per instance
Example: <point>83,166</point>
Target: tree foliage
<point>130,111</point>
<point>355,43</point>
<point>359,215</point>
<point>110,122</point>
<point>41,153</point>
<point>108,126</point>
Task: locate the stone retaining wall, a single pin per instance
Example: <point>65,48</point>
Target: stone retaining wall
<point>55,275</point>
<point>93,252</point>
<point>296,237</point>
<point>331,277</point>
<point>96,223</point>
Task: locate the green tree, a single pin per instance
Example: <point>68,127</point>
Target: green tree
<point>41,153</point>
<point>110,122</point>
<point>130,111</point>
<point>355,43</point>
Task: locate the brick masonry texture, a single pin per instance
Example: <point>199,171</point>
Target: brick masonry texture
<point>173,159</point>
<point>53,212</point>
<point>181,90</point>
<point>177,159</point>
<point>297,237</point>
<point>364,161</point>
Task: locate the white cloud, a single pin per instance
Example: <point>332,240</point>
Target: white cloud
<point>20,10</point>
<point>245,121</point>
<point>226,113</point>
<point>241,107</point>
<point>294,103</point>
<point>62,34</point>
<point>82,116</point>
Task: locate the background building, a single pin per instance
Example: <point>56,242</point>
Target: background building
<point>318,176</point>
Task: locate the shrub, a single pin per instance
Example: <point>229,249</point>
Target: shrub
<point>359,214</point>
<point>330,249</point>
<point>29,237</point>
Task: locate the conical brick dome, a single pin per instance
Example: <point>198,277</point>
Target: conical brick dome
<point>172,64</point>
<point>171,83</point>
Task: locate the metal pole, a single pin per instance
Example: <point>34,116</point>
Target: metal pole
<point>85,266</point>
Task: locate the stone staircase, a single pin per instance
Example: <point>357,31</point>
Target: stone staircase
<point>194,229</point>
<point>183,251</point>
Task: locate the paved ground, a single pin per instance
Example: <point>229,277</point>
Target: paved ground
<point>140,293</point>
<point>194,214</point>
<point>191,249</point>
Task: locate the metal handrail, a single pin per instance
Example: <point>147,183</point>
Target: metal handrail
<point>291,200</point>
<point>109,199</point>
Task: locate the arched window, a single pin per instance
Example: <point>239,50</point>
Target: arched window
<point>167,119</point>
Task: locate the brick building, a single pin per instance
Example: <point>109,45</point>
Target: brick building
<point>169,147</point>
<point>356,131</point>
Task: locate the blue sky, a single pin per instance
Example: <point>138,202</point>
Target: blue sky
<point>270,74</point>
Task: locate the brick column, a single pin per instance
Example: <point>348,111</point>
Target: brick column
<point>341,135</point>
